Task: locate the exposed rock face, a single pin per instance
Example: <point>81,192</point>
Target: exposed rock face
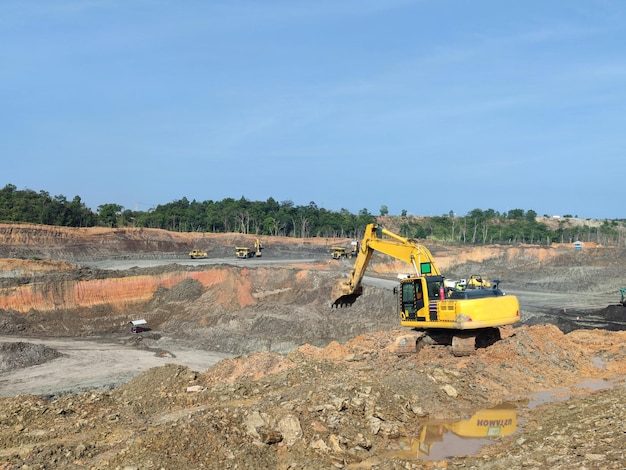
<point>51,294</point>
<point>40,291</point>
<point>29,240</point>
<point>251,303</point>
<point>226,308</point>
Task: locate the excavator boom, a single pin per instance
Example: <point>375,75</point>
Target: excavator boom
<point>346,292</point>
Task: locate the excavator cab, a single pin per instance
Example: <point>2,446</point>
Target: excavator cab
<point>416,293</point>
<point>411,297</point>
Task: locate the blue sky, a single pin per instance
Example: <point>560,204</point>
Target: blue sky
<point>428,106</point>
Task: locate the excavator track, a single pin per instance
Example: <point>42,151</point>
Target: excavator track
<point>465,343</point>
<point>462,343</point>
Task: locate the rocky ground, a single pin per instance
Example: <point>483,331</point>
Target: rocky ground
<point>301,386</point>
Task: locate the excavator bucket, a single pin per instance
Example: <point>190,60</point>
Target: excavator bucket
<point>344,295</point>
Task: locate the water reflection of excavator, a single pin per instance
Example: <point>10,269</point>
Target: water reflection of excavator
<point>464,319</point>
<point>434,437</point>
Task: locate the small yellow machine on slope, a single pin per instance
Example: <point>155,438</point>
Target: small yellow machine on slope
<point>465,319</point>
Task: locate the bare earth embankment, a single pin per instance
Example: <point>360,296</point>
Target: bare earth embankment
<point>246,366</point>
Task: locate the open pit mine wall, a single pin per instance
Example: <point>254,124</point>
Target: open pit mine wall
<point>79,243</point>
<point>48,295</point>
<point>69,243</point>
<point>72,243</point>
<point>31,241</point>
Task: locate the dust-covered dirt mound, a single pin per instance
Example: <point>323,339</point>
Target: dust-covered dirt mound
<point>19,354</point>
<point>611,318</point>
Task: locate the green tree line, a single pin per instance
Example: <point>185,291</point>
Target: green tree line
<point>286,219</point>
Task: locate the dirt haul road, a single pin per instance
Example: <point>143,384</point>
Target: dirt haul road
<point>301,386</point>
<point>84,365</point>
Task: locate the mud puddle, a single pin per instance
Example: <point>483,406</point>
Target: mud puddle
<point>550,396</point>
<point>444,439</point>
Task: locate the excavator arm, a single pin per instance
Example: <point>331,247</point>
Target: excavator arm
<point>418,256</point>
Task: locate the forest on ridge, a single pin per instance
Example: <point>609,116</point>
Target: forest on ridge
<point>270,217</point>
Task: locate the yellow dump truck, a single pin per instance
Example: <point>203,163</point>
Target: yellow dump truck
<point>195,254</point>
<point>243,252</point>
<point>341,252</point>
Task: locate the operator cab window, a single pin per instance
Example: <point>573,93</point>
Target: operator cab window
<point>408,298</point>
<point>433,290</point>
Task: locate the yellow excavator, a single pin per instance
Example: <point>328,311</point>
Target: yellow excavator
<point>465,319</point>
<point>258,248</point>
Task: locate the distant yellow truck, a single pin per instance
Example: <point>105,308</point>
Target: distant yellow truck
<point>243,252</point>
<point>339,252</point>
<point>196,254</point>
